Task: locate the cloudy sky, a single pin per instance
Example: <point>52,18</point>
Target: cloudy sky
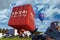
<point>51,9</point>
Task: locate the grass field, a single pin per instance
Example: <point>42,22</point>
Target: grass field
<point>15,38</point>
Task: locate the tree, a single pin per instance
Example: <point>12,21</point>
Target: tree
<point>0,30</point>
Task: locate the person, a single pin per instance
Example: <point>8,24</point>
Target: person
<point>49,38</point>
<point>20,34</point>
<point>56,25</point>
<point>27,34</point>
<point>59,28</point>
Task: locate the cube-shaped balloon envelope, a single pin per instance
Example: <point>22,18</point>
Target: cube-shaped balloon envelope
<point>22,17</point>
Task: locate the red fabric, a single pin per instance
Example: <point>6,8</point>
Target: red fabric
<point>23,18</point>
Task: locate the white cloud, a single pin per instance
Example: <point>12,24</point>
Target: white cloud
<point>4,4</point>
<point>49,12</point>
<point>22,2</point>
<point>41,24</point>
<point>40,6</point>
<point>5,12</point>
<point>59,11</point>
<point>5,27</point>
<point>4,21</point>
<point>4,15</point>
<point>50,2</point>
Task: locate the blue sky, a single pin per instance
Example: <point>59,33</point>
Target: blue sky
<point>51,9</point>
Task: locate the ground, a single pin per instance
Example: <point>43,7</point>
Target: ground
<point>15,38</point>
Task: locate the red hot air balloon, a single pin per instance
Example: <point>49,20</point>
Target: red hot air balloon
<point>22,17</point>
